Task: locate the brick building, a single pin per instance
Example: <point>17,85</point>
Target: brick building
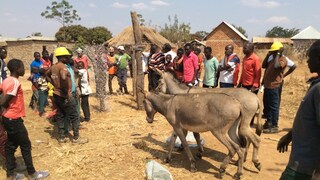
<point>304,39</point>
<point>223,35</point>
<point>25,47</point>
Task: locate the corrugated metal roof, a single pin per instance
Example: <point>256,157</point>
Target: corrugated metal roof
<point>307,33</point>
<point>271,40</point>
<point>30,38</point>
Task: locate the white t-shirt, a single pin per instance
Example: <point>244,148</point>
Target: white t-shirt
<point>173,54</point>
<point>84,83</point>
<point>290,63</point>
<point>226,76</point>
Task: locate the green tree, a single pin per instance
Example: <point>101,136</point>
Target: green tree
<point>98,35</point>
<point>73,33</point>
<point>176,32</point>
<point>199,35</point>
<point>241,30</point>
<point>141,20</point>
<point>63,12</point>
<point>281,32</point>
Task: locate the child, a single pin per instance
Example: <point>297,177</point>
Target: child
<point>12,100</point>
<point>85,90</point>
<point>33,78</point>
<point>43,91</point>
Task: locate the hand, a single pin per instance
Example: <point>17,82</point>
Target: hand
<point>230,69</point>
<point>284,143</point>
<point>254,89</point>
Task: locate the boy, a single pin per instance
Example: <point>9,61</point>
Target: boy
<point>43,91</point>
<point>85,90</point>
<point>12,100</point>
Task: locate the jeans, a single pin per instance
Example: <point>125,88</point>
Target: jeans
<point>122,78</point>
<point>67,110</point>
<point>226,85</point>
<point>17,136</point>
<point>153,79</point>
<point>271,104</point>
<point>3,141</point>
<point>43,97</point>
<point>85,107</point>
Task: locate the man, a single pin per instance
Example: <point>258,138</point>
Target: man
<point>211,65</point>
<point>190,66</point>
<point>251,69</point>
<point>61,79</point>
<point>229,68</point>
<point>122,60</point>
<point>3,67</point>
<point>112,69</point>
<point>275,64</point>
<point>304,161</point>
<point>156,60</point>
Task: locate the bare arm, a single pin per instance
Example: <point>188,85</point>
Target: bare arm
<point>5,99</point>
<point>284,142</point>
<point>291,69</point>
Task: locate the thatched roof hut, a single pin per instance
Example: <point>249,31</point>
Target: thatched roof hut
<point>149,36</point>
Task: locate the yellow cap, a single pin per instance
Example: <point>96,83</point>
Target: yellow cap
<point>276,46</point>
<point>61,51</point>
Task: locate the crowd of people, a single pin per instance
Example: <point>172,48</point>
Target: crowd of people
<point>66,84</point>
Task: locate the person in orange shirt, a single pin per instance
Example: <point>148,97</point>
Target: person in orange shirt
<point>251,69</point>
<point>112,69</point>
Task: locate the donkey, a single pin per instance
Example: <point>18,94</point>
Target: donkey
<point>249,101</point>
<point>179,110</point>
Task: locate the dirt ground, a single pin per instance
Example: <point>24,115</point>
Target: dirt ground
<point>121,142</point>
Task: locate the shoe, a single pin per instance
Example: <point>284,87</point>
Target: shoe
<point>264,116</point>
<point>265,125</point>
<point>80,140</point>
<point>62,140</point>
<point>273,129</point>
<point>39,175</point>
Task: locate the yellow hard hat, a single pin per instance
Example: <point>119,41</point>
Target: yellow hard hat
<point>61,51</point>
<point>276,46</point>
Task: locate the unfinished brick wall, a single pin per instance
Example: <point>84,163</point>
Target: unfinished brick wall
<point>223,36</point>
<point>24,49</point>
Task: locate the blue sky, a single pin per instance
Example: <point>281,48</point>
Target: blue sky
<point>20,18</point>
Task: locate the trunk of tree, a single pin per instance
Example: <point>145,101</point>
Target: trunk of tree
<point>139,73</point>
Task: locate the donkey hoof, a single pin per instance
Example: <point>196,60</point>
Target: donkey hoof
<point>257,165</point>
<point>167,160</point>
<point>198,156</point>
<point>222,172</point>
<point>237,176</point>
<point>193,168</point>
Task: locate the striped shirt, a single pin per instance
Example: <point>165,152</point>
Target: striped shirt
<point>157,60</point>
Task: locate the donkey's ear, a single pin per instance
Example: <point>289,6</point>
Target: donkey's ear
<point>158,71</point>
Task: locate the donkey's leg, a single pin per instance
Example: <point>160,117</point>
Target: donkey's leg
<point>221,136</point>
<point>184,142</point>
<point>185,132</point>
<point>171,145</point>
<point>200,147</point>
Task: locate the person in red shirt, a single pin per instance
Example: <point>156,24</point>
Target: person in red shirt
<point>190,66</point>
<point>251,69</point>
<point>82,57</point>
<point>12,100</point>
<point>46,63</point>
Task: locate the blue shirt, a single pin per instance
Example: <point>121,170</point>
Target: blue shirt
<point>73,84</point>
<point>38,64</point>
